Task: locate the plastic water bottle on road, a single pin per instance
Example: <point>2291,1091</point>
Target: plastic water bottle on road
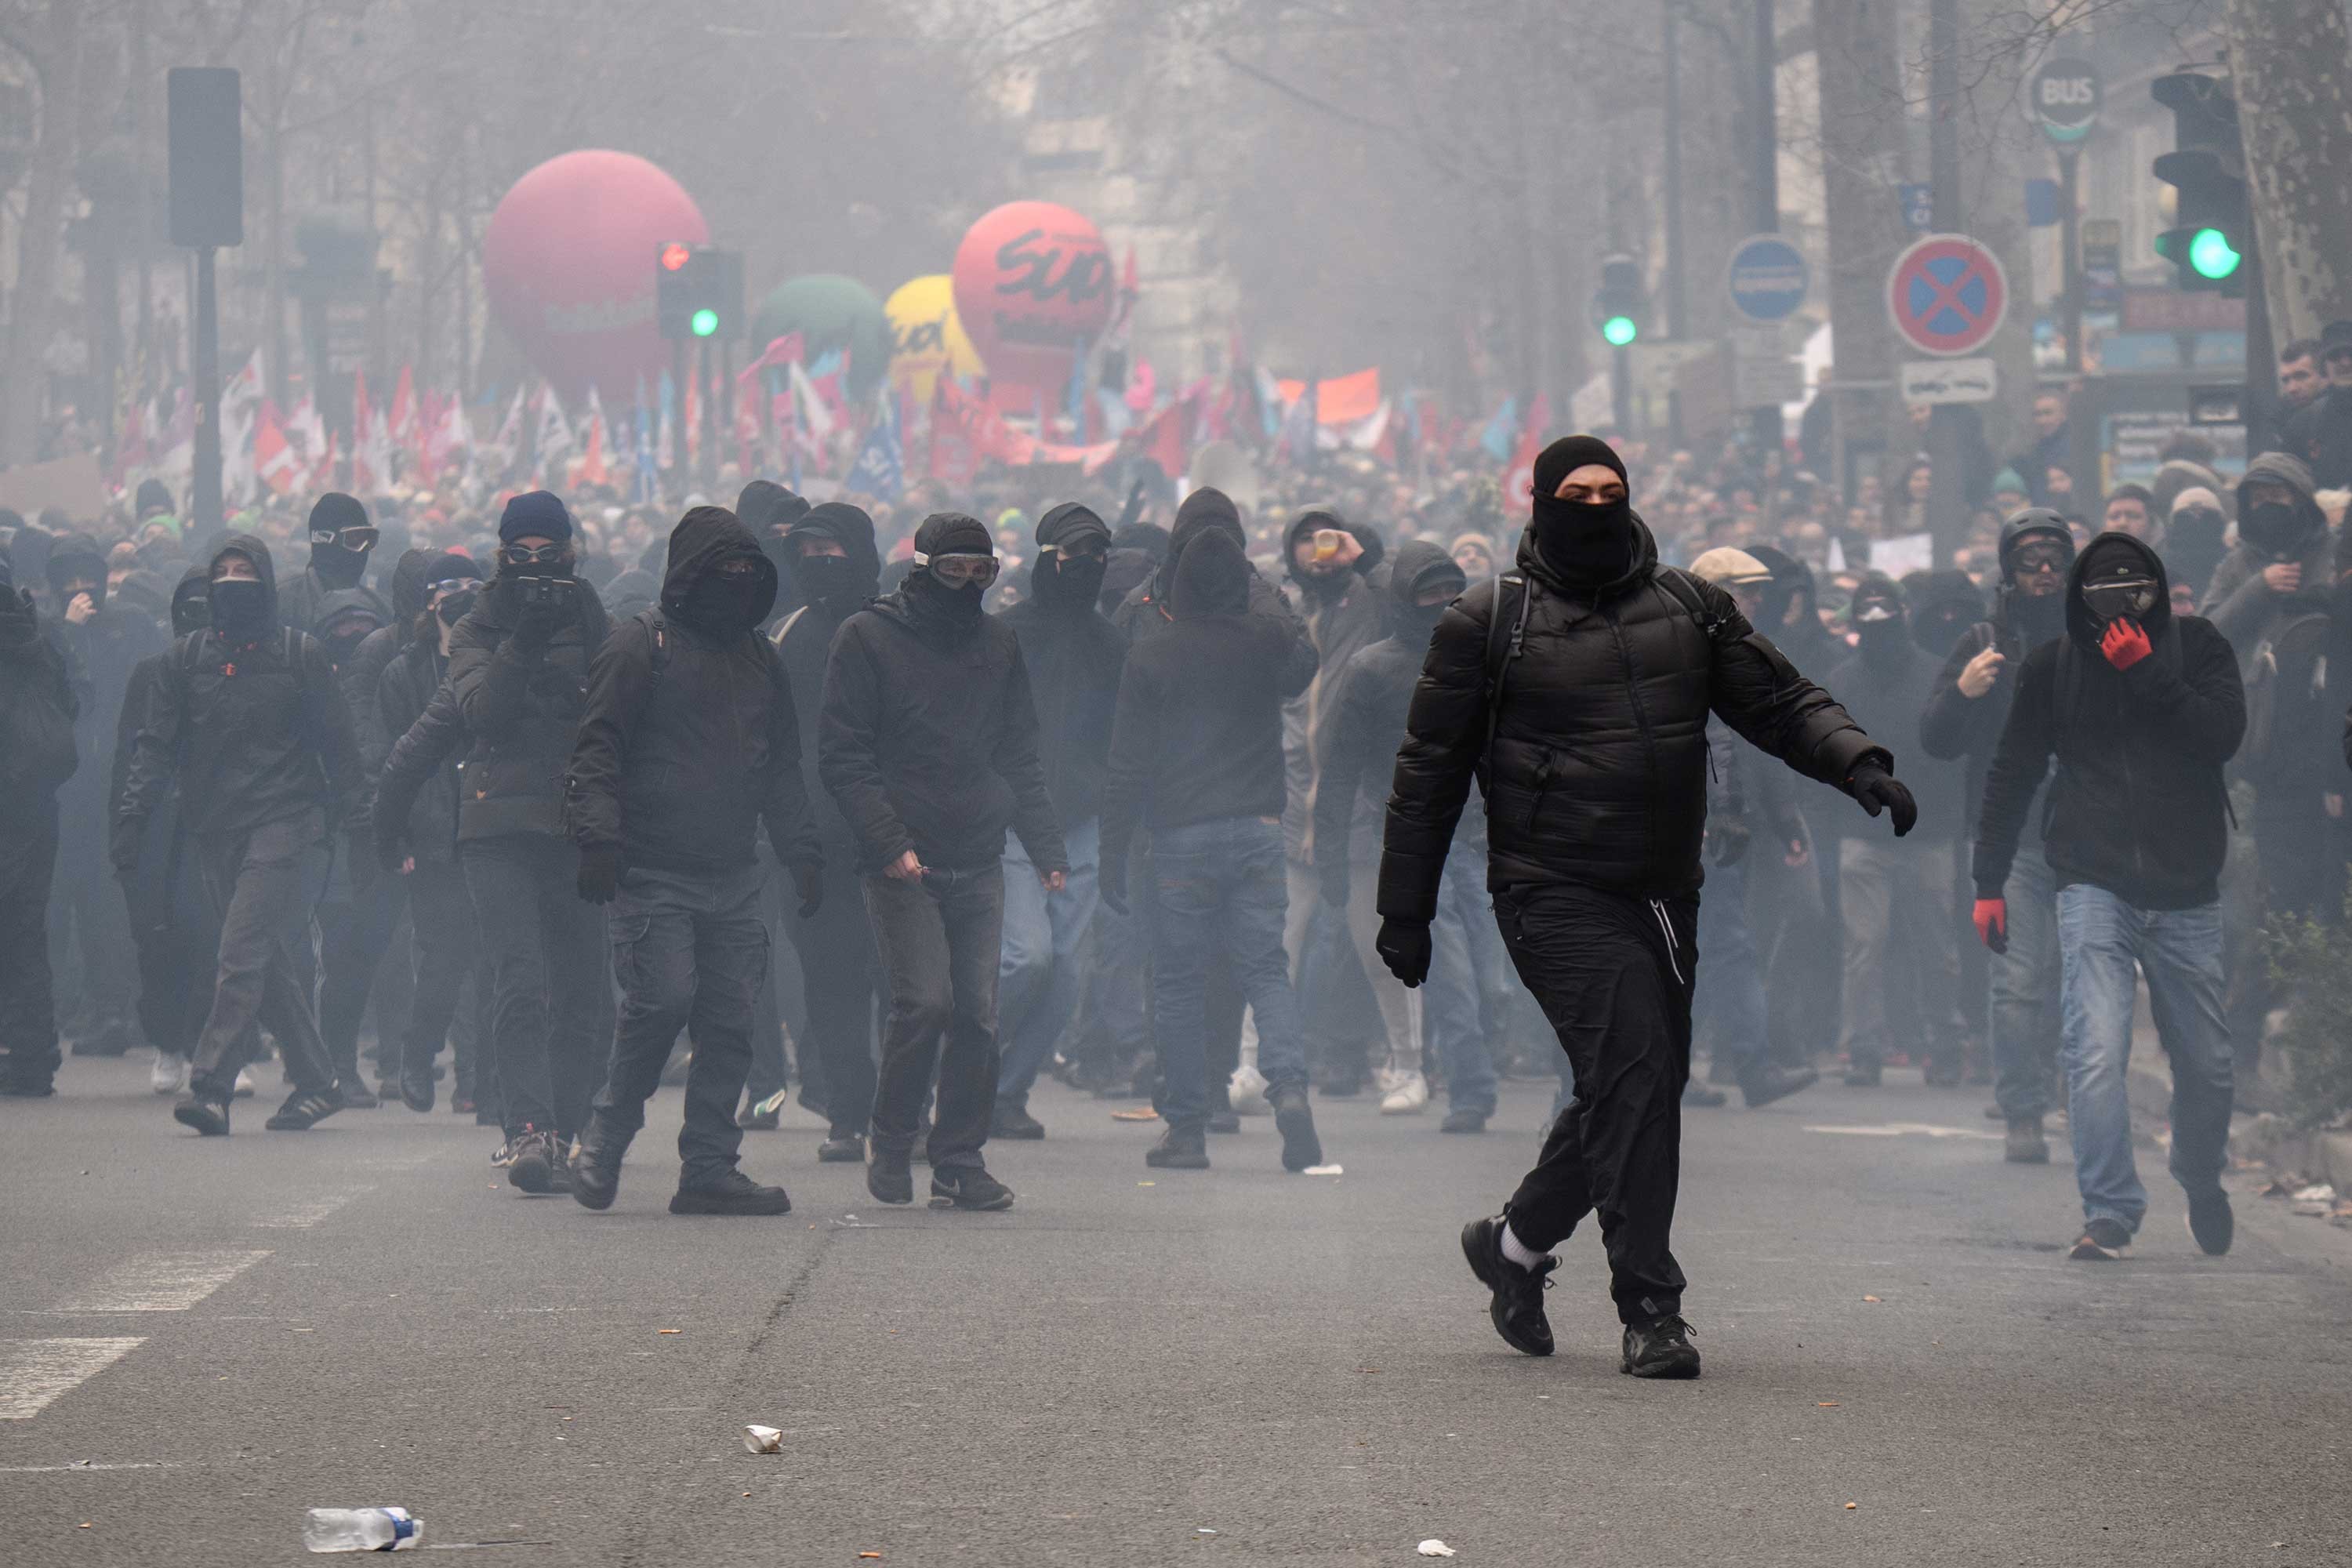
<point>361,1529</point>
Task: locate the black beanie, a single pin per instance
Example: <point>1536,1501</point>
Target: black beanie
<point>154,496</point>
<point>449,566</point>
<point>1569,453</point>
<point>953,533</point>
<point>535,515</point>
<point>336,511</point>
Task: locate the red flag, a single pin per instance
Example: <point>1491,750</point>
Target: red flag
<point>1162,439</point>
<point>1519,479</point>
<point>273,455</point>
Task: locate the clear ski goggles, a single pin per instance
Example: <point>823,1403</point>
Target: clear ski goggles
<point>960,569</point>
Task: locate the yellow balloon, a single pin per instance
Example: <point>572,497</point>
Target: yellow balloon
<point>926,336</point>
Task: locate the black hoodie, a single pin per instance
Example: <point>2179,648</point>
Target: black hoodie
<point>2238,601</point>
<point>1885,683</point>
<point>1954,726</point>
<point>98,655</point>
<point>1597,769</point>
<point>521,705</point>
<point>1198,732</point>
<point>1074,655</point>
<point>690,741</point>
<point>2137,804</point>
<point>804,640</point>
<point>928,737</point>
<point>253,729</point>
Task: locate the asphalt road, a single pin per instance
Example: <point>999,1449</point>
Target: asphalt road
<point>1901,1366</point>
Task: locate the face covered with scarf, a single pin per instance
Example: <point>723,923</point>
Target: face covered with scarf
<point>1878,616</point>
<point>1583,514</point>
<point>1073,551</point>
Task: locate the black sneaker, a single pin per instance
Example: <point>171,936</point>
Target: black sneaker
<point>2025,1143</point>
<point>1763,1085</point>
<point>842,1149</point>
<point>1296,1120</point>
<point>752,1119</point>
<point>969,1187</point>
<point>416,1091</point>
<point>732,1194</point>
<point>889,1174</point>
<point>2102,1241</point>
<point>1659,1347</point>
<point>1015,1121</point>
<point>305,1108</point>
<point>1698,1095</point>
<point>357,1095</point>
<point>1518,1307</point>
<point>1224,1122</point>
<point>533,1167</point>
<point>1179,1149</point>
<point>2211,1223</point>
<point>1464,1118</point>
<point>596,1167</point>
<point>205,1114</point>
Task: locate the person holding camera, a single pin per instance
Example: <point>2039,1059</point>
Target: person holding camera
<point>519,671</point>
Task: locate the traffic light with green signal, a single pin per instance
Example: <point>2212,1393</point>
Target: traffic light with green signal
<point>697,292</point>
<point>2212,228</point>
<point>1620,302</point>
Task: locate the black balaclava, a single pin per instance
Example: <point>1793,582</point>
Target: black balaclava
<point>452,567</point>
<point>336,566</point>
<point>1419,567</point>
<point>2119,578</point>
<point>1585,545</point>
<point>839,582</point>
<point>695,588</point>
<point>2279,529</point>
<point>772,512</point>
<point>192,603</point>
<point>342,629</point>
<point>956,606</point>
<point>1061,583</point>
<point>1878,617</point>
<point>2037,620</point>
<point>76,558</point>
<point>241,607</point>
<point>1319,587</point>
<point>1943,604</point>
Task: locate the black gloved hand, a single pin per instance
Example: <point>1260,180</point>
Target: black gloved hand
<point>1110,886</point>
<point>808,881</point>
<point>600,873</point>
<point>536,621</point>
<point>1403,946</point>
<point>1726,841</point>
<point>1879,790</point>
<point>389,853</point>
<point>1333,887</point>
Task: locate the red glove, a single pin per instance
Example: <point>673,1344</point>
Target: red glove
<point>1992,923</point>
<point>2125,644</point>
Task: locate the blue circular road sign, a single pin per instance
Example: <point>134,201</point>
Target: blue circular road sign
<point>1768,277</point>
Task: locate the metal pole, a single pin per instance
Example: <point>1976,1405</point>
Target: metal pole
<point>204,500</point>
<point>1770,434</point>
<point>1947,493</point>
<point>1674,170</point>
<point>1621,391</point>
<point>2069,239</point>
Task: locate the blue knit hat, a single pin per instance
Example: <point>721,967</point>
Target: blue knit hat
<point>535,515</point>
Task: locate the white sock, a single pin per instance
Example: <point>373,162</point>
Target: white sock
<point>1518,1251</point>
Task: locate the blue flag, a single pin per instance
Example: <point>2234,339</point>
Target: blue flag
<point>880,469</point>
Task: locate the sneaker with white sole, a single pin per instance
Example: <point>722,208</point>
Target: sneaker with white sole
<point>2102,1241</point>
<point>248,1086</point>
<point>169,1075</point>
<point>1407,1095</point>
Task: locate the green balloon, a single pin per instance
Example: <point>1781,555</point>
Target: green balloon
<point>830,312</point>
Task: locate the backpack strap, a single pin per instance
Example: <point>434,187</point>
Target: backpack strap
<point>786,624</point>
<point>1517,644</point>
<point>1680,588</point>
<point>659,627</point>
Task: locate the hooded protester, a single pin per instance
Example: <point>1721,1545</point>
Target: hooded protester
<point>1367,724</point>
<point>1136,553</point>
<point>2141,710</point>
<point>1898,899</point>
<point>1963,722</point>
<point>416,826</point>
<point>164,892</point>
<point>631,591</point>
<point>2194,539</point>
<point>1075,657</point>
<point>1577,687</point>
<point>769,512</point>
<point>927,743</point>
<point>1939,607</point>
<point>39,753</point>
<point>100,643</point>
<point>519,674</point>
<point>1146,612</point>
<point>1196,759</point>
<point>689,745</point>
<point>342,541</point>
<point>152,499</point>
<point>837,570</point>
<point>248,724</point>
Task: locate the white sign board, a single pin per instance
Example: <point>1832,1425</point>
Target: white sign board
<point>1950,381</point>
<point>1904,554</point>
<point>1759,382</point>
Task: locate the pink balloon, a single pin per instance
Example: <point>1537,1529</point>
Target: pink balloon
<point>568,266</point>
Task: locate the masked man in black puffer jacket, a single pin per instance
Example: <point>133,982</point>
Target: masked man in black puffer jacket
<point>1577,689</point>
<point>37,753</point>
<point>688,746</point>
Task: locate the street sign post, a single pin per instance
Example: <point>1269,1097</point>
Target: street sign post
<point>1947,295</point>
<point>1767,278</point>
<point>2065,99</point>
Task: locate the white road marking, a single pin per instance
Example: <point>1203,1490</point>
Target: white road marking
<point>160,1282</point>
<point>1897,1129</point>
<point>303,1216</point>
<point>34,1371</point>
<point>86,1465</point>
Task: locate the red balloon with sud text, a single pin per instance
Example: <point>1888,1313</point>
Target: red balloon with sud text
<point>567,267</point>
<point>1032,280</point>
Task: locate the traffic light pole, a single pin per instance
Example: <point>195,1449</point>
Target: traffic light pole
<point>2261,377</point>
<point>204,497</point>
<point>1769,432</point>
<point>2070,240</point>
<point>1621,390</point>
<point>1948,490</point>
<point>678,429</point>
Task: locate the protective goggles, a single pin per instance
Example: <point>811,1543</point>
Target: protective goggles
<point>979,569</point>
<point>2041,555</point>
<point>2120,598</point>
<point>452,585</point>
<point>352,539</point>
<point>533,554</point>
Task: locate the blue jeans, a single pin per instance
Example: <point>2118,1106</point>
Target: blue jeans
<point>2100,938</point>
<point>2023,998</point>
<point>1037,979</point>
<point>1220,886</point>
<point>1459,1016</point>
<point>1729,1003</point>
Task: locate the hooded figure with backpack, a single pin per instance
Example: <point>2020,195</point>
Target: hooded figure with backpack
<point>2141,710</point>
<point>37,753</point>
<point>1577,690</point>
<point>688,746</point>
<point>249,724</point>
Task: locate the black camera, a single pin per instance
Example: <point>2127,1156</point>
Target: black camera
<point>549,593</point>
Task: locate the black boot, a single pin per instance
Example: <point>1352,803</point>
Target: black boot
<point>1296,1120</point>
<point>732,1194</point>
<point>1179,1149</point>
<point>597,1168</point>
<point>890,1173</point>
<point>1015,1121</point>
